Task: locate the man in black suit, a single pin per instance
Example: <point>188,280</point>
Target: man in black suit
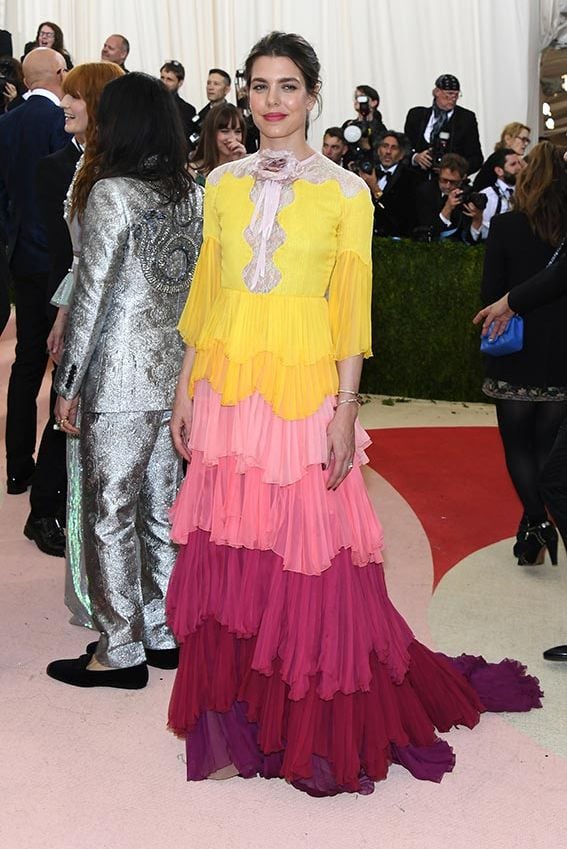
<point>27,134</point>
<point>172,75</point>
<point>218,86</point>
<point>393,187</point>
<point>443,128</point>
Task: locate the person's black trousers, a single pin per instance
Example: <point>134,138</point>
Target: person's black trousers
<point>553,482</point>
<point>33,323</point>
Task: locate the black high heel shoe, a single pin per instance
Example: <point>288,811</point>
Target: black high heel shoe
<point>532,543</point>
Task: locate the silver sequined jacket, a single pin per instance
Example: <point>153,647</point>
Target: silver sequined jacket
<point>122,349</point>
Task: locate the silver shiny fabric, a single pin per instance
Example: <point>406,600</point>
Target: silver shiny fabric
<point>122,348</point>
<point>123,354</point>
<point>131,472</point>
<point>76,583</point>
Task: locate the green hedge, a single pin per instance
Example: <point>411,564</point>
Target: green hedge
<point>424,297</point>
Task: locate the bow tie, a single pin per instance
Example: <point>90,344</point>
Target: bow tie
<point>381,173</point>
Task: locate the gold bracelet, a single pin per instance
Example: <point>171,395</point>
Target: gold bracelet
<point>349,401</point>
<point>347,392</point>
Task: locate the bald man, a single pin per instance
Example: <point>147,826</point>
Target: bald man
<point>27,134</point>
<point>115,49</point>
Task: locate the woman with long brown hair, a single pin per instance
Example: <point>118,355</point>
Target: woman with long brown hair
<point>530,386</point>
<point>222,140</point>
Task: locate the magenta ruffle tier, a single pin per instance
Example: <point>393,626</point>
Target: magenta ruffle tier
<point>294,662</point>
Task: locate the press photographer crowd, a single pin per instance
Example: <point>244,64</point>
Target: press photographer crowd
<point>419,178</point>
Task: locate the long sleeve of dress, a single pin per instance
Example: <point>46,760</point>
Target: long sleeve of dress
<point>543,288</point>
<point>495,279</point>
<point>104,232</point>
<point>350,288</point>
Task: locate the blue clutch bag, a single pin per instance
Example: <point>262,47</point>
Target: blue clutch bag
<point>511,341</point>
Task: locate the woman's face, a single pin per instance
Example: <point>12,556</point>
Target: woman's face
<point>46,37</point>
<point>76,116</point>
<point>518,143</point>
<point>279,100</point>
<point>227,139</point>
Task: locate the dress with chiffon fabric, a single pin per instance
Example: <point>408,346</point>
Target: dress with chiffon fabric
<point>294,662</point>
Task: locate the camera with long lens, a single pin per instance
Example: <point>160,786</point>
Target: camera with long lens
<point>358,157</point>
<point>478,199</point>
<point>241,93</point>
<point>243,103</point>
<point>6,75</point>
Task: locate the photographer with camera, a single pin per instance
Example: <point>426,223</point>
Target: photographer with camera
<point>446,206</point>
<point>12,85</point>
<point>506,165</point>
<point>363,132</point>
<point>393,186</point>
<point>443,128</point>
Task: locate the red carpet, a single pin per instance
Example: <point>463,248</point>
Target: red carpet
<point>456,482</point>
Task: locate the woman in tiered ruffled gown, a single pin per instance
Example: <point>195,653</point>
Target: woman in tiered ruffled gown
<point>294,663</point>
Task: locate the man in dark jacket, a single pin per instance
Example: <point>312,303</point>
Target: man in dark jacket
<point>172,75</point>
<point>443,128</point>
<point>27,134</point>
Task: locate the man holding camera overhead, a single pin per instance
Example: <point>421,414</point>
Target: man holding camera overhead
<point>444,127</point>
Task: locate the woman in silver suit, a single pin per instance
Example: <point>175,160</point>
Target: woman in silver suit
<point>141,219</point>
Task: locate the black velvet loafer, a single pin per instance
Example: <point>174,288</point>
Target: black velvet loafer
<point>556,653</point>
<point>75,673</point>
<point>47,534</point>
<point>158,658</point>
<point>15,486</point>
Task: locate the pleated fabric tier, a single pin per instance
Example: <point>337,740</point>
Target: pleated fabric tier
<point>294,663</point>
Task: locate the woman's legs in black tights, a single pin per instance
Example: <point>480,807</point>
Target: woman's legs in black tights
<point>528,430</point>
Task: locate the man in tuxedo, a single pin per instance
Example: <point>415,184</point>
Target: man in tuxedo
<point>27,134</point>
<point>443,127</point>
<point>441,213</point>
<point>393,187</point>
<point>506,165</point>
<point>172,75</point>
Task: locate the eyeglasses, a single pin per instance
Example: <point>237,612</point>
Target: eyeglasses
<point>524,139</point>
<point>47,34</point>
<point>454,183</point>
<point>453,94</point>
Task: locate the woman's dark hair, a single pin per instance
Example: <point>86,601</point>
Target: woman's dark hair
<point>221,117</point>
<point>294,47</point>
<point>58,40</point>
<point>541,193</point>
<point>140,135</point>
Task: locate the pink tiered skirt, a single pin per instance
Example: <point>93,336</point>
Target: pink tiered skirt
<point>294,662</point>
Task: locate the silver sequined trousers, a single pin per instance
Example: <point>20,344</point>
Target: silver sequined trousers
<point>76,583</point>
<point>130,477</point>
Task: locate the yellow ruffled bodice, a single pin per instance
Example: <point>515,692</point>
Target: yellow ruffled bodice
<point>283,343</point>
